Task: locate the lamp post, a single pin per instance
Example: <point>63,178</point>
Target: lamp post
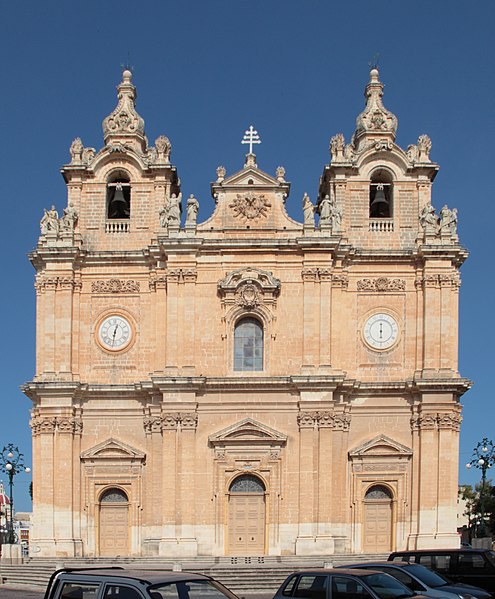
<point>11,462</point>
<point>483,458</point>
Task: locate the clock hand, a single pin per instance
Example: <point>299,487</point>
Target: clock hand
<point>381,330</point>
<point>114,333</point>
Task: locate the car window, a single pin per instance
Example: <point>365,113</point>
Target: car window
<point>311,585</point>
<point>471,563</point>
<point>427,577</point>
<point>289,587</point>
<point>403,557</point>
<point>441,562</point>
<point>191,589</point>
<point>425,560</point>
<point>117,591</point>
<point>402,576</point>
<point>387,587</point>
<point>344,587</point>
<point>76,590</point>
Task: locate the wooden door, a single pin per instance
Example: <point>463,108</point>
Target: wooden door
<point>377,526</point>
<point>114,530</point>
<point>246,524</point>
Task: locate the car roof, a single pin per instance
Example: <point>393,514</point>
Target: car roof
<point>145,575</point>
<point>437,551</point>
<point>340,571</point>
<point>381,563</point>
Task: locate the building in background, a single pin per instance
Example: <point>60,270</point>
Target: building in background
<point>251,384</point>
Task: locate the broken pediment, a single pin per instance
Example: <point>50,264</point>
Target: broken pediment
<point>381,446</point>
<point>111,449</point>
<point>250,432</point>
<point>262,278</point>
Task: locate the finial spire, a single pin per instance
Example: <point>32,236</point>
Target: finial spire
<point>124,125</point>
<point>375,121</point>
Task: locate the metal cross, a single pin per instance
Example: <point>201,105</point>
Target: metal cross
<point>251,137</point>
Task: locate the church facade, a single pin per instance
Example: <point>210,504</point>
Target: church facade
<point>250,385</point>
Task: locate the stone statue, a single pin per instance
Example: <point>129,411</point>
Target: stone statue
<point>174,210</point>
<point>49,222</point>
<point>325,210</point>
<point>192,208</point>
<point>336,216</point>
<point>76,150</point>
<point>69,219</point>
<point>448,218</point>
<point>428,219</point>
<point>163,217</point>
<point>337,147</point>
<point>308,211</point>
<point>163,148</point>
<point>221,172</point>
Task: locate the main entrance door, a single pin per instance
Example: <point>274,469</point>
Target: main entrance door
<point>246,524</point>
<point>377,520</point>
<point>114,523</point>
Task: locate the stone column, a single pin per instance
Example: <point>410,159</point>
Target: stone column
<point>185,502</point>
<point>64,335</point>
<point>43,532</point>
<point>305,542</point>
<point>153,485</point>
<point>172,313</point>
<point>431,315</point>
<point>311,311</point>
<point>325,483</point>
<point>449,289</point>
<point>325,317</point>
<point>189,302</point>
<point>63,491</point>
<point>168,542</point>
<point>428,480</point>
<point>158,287</point>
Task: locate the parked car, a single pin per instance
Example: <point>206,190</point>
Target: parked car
<point>469,566</point>
<point>120,583</point>
<point>336,583</point>
<point>420,579</point>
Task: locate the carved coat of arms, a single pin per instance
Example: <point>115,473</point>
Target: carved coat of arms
<point>250,205</point>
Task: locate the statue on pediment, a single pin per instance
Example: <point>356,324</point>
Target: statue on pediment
<point>308,210</point>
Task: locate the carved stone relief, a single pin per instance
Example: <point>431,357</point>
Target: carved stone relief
<point>381,284</point>
<point>115,286</point>
<point>250,205</point>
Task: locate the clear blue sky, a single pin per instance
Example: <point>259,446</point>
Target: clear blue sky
<point>205,70</point>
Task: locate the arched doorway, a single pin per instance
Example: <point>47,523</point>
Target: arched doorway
<point>114,523</point>
<point>378,516</point>
<point>246,519</point>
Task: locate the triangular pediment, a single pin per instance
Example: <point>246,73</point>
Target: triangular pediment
<point>112,449</point>
<point>248,430</point>
<point>250,177</point>
<point>380,446</point>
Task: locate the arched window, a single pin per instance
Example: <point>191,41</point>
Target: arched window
<point>119,197</point>
<point>247,483</point>
<point>114,496</point>
<point>378,492</point>
<point>381,197</point>
<point>248,345</point>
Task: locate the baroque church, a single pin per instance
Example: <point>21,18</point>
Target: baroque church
<point>250,385</point>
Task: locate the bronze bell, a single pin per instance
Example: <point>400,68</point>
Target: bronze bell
<point>119,206</point>
<point>379,207</point>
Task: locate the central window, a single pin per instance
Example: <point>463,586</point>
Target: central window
<point>248,345</point>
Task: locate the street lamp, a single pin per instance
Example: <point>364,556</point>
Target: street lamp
<point>483,458</point>
<point>11,462</point>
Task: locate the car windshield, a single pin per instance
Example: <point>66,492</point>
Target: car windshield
<point>387,587</point>
<point>191,589</point>
<point>428,577</point>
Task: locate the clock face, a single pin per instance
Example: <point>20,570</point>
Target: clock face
<point>115,332</point>
<point>381,331</point>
